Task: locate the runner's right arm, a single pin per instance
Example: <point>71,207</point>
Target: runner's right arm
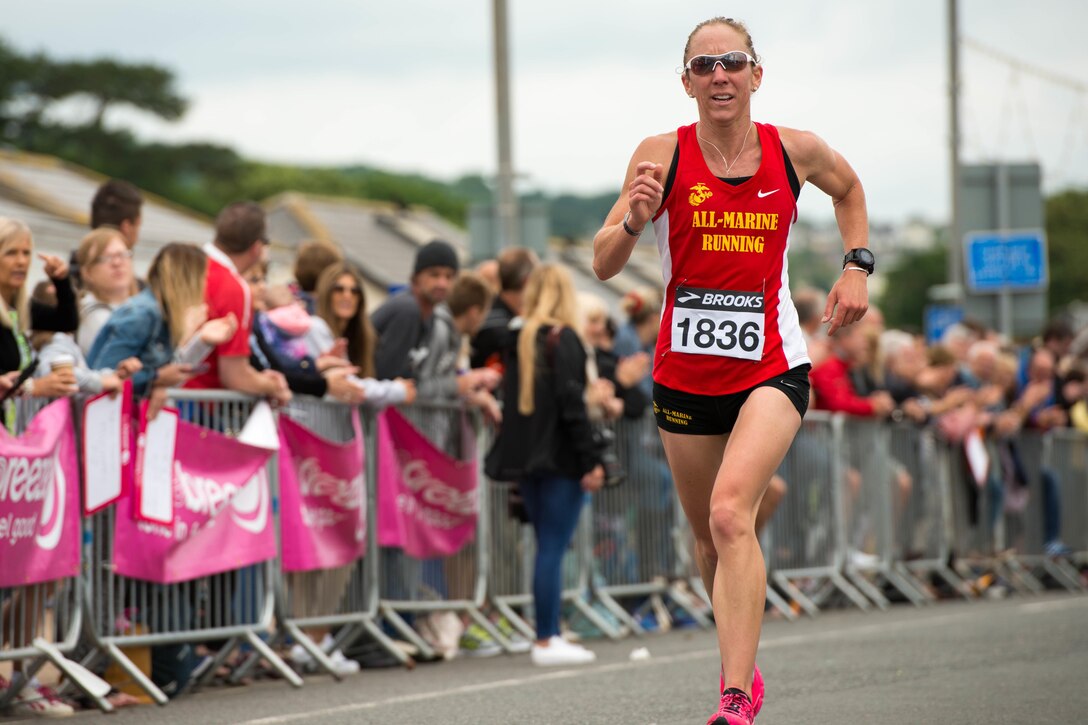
<point>642,196</point>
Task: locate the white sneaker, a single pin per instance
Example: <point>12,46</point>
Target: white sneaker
<point>863,560</point>
<point>300,657</point>
<point>519,645</point>
<point>344,666</point>
<point>560,652</point>
<point>40,702</point>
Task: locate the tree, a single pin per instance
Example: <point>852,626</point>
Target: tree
<point>109,83</point>
<point>908,281</point>
<point>31,84</point>
<point>1067,238</point>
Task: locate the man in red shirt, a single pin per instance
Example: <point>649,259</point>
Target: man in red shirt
<point>832,388</point>
<point>240,240</point>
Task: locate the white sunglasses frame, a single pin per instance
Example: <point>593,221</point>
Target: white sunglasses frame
<point>719,60</point>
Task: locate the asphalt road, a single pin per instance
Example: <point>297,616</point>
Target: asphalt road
<point>1014,661</point>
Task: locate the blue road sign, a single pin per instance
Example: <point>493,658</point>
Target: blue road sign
<point>939,318</point>
<point>997,261</point>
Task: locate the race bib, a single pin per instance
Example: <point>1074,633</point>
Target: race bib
<point>718,322</point>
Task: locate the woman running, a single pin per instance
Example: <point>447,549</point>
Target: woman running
<point>730,367</point>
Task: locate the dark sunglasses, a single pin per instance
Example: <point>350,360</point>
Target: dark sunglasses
<point>731,62</point>
<point>340,289</point>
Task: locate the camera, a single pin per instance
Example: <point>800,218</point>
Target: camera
<point>604,438</point>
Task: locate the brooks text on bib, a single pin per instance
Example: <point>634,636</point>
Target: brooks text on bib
<point>726,323</point>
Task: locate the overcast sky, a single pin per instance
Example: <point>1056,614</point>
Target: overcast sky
<point>408,86</point>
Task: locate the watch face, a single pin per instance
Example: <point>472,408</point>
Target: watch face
<point>864,256</point>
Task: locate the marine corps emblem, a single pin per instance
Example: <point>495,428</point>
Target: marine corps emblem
<point>699,194</point>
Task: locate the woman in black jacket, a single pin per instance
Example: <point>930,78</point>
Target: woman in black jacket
<point>546,444</point>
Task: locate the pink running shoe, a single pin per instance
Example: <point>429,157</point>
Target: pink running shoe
<point>735,709</point>
<point>757,690</point>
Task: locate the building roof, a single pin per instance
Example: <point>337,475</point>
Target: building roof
<point>382,239</point>
<point>54,198</point>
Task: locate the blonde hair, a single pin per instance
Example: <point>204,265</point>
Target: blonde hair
<point>736,25</point>
<point>11,231</point>
<point>549,301</point>
<point>591,306</point>
<point>176,278</point>
<point>92,246</point>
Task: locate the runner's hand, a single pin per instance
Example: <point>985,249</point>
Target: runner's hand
<point>644,193</point>
<point>847,302</point>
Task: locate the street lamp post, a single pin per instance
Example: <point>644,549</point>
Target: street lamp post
<point>506,202</point>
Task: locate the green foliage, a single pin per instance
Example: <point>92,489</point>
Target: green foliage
<point>809,268</point>
<point>907,286</point>
<point>579,217</point>
<point>1067,238</point>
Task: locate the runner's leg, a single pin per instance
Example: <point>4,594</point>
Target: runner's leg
<point>695,460</point>
<point>760,439</point>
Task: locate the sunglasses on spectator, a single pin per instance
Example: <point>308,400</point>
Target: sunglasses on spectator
<point>115,257</point>
<point>341,289</point>
<point>731,62</point>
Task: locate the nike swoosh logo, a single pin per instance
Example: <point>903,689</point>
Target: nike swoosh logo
<point>762,194</point>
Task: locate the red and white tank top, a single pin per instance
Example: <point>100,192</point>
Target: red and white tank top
<point>728,322</point>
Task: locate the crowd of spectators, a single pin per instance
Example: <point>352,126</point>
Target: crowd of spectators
<point>974,387</point>
<point>205,317</point>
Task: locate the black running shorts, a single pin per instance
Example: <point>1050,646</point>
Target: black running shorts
<point>680,412</point>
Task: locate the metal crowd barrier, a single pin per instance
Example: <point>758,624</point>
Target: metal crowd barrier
<point>1068,458</point>
<point>42,622</point>
<point>921,546</point>
<point>872,507</point>
<point>807,548</point>
<point>236,606</point>
<point>635,527</point>
<point>456,583</point>
<point>975,527</point>
<point>510,580</point>
<point>346,597</point>
<point>1025,528</point>
<point>848,525</point>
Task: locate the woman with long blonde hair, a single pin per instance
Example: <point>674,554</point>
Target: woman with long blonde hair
<point>546,444</point>
<point>18,313</point>
<point>154,324</point>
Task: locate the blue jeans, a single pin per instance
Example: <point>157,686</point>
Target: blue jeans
<point>554,504</point>
<point>1052,507</point>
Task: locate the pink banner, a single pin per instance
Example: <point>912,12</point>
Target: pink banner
<point>221,511</point>
<point>39,500</point>
<point>426,500</point>
<point>322,498</point>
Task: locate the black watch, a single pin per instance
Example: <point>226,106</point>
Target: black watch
<point>862,257</point>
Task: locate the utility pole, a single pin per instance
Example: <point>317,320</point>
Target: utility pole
<point>506,202</point>
<point>955,250</point>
